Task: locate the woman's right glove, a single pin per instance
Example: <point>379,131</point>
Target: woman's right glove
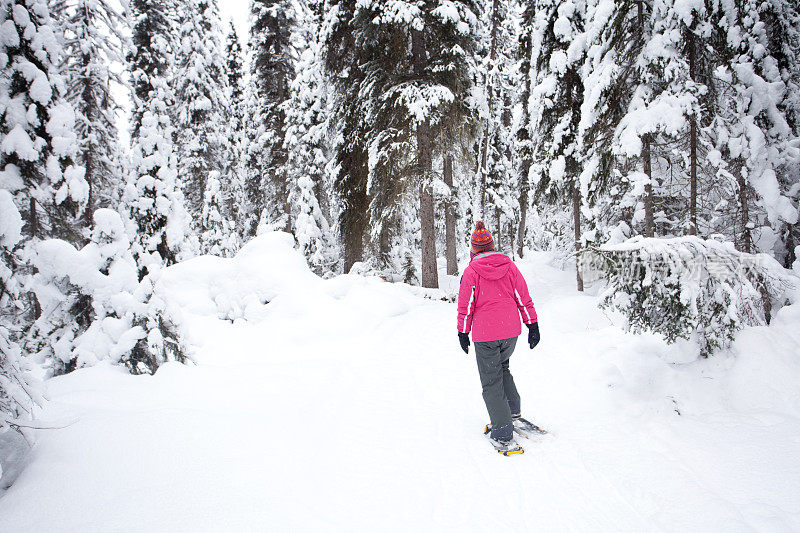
<point>533,334</point>
<point>463,339</point>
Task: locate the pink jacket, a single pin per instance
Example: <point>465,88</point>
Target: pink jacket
<point>492,297</point>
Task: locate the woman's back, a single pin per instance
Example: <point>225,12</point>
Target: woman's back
<point>492,297</point>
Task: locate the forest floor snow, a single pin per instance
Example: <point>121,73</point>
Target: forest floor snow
<point>347,405</point>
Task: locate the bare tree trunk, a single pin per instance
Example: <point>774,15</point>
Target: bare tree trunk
<point>649,224</point>
<point>88,154</point>
<point>511,237</point>
<point>523,215</point>
<point>576,221</point>
<point>353,218</point>
<point>523,136</point>
<point>746,240</point>
<point>33,219</point>
<point>430,276</point>
<point>353,236</point>
<point>693,177</point>
<point>450,219</point>
<point>498,232</point>
<point>692,147</point>
<point>482,172</point>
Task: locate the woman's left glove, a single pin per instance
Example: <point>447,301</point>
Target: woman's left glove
<point>533,334</point>
<point>463,339</point>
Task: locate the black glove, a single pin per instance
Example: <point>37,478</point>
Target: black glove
<point>533,334</point>
<point>463,339</point>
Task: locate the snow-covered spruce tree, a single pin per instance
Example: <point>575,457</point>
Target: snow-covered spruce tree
<point>407,95</point>
<point>709,80</point>
<point>201,99</point>
<point>343,64</point>
<point>307,151</point>
<point>152,194</point>
<point>687,93</point>
<point>557,99</point>
<point>617,177</point>
<point>523,147</point>
<point>233,182</point>
<point>497,174</point>
<point>94,37</point>
<point>38,147</point>
<point>650,117</point>
<point>219,236</point>
<point>752,131</point>
<point>782,23</point>
<point>497,181</point>
<point>272,69</point>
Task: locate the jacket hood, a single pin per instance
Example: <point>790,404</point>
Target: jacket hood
<point>491,265</point>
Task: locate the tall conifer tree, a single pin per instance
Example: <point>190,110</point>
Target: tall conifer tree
<point>272,69</point>
<point>152,192</point>
<point>94,33</point>
<point>201,97</point>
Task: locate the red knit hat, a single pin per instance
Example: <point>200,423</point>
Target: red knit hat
<point>481,240</point>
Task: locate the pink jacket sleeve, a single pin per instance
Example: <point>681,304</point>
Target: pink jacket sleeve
<point>523,298</point>
<point>466,300</point>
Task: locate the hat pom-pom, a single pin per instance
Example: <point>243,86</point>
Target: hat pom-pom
<point>479,225</point>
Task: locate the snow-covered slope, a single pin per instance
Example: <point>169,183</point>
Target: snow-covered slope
<point>347,405</point>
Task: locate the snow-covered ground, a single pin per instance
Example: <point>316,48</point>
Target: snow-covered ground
<point>347,405</point>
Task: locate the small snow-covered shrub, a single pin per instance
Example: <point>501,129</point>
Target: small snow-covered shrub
<point>93,306</point>
<point>687,287</point>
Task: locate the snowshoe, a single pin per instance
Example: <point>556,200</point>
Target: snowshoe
<point>527,429</point>
<point>509,447</point>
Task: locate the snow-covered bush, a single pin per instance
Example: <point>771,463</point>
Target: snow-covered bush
<point>95,308</point>
<point>687,287</point>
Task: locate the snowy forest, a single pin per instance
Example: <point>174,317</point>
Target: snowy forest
<point>140,134</point>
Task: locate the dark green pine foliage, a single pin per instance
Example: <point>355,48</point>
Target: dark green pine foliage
<point>558,154</point>
<point>151,192</point>
<point>418,73</point>
<point>234,198</point>
<point>149,57</point>
<point>523,147</point>
<point>201,100</point>
<point>343,60</point>
<point>272,69</point>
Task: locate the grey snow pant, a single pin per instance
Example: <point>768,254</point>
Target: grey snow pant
<point>499,392</point>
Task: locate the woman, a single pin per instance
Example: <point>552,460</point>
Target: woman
<point>492,297</point>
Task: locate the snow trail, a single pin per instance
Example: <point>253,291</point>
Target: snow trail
<point>347,405</point>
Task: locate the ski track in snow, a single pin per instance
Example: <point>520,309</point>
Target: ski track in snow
<point>350,407</point>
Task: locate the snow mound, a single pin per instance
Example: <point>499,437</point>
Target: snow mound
<point>238,287</point>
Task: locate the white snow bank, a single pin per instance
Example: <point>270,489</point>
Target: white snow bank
<point>347,405</point>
